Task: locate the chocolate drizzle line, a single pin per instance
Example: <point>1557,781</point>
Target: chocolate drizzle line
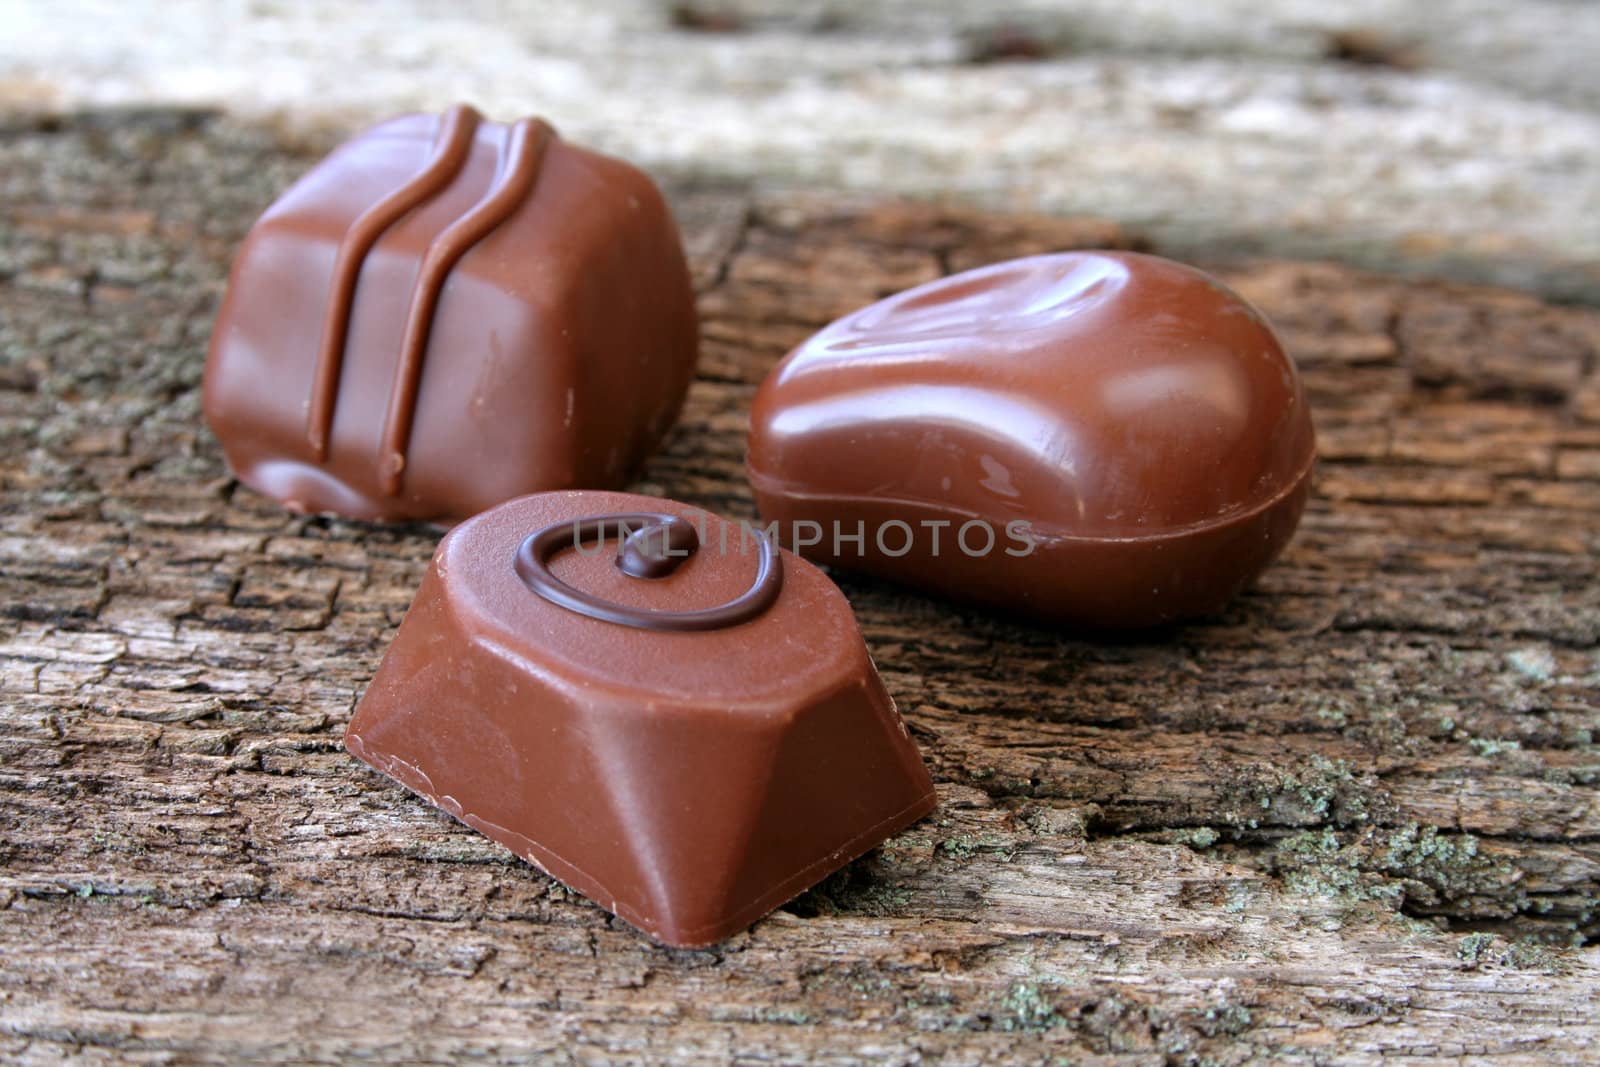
<point>654,546</point>
<point>513,182</point>
<point>450,149</point>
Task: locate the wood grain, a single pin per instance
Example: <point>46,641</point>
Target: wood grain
<point>1353,817</point>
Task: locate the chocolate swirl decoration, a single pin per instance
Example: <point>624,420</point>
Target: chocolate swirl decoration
<point>654,546</point>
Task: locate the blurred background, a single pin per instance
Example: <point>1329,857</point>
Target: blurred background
<point>1453,137</point>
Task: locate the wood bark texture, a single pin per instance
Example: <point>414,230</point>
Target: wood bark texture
<point>1353,817</point>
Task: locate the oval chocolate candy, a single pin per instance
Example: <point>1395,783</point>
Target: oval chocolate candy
<point>1090,438</point>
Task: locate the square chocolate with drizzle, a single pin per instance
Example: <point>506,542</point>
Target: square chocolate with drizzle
<point>449,312</point>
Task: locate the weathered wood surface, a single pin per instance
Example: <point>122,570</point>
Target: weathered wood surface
<point>1353,817</point>
<point>1453,138</point>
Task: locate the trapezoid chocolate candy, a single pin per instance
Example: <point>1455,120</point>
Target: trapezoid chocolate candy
<point>655,706</point>
<point>446,313</point>
<point>1092,438</point>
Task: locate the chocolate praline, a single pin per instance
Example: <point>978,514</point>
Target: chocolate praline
<point>654,705</point>
<point>1140,421</point>
<point>446,313</point>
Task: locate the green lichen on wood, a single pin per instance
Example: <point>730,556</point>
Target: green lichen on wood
<point>959,847</point>
<point>1071,823</point>
<point>1198,838</point>
<point>1028,1008</point>
<point>1486,746</point>
<point>1474,948</point>
<point>1535,665</point>
<point>1320,791</point>
<point>1484,949</point>
<point>1226,1019</point>
<point>1415,867</point>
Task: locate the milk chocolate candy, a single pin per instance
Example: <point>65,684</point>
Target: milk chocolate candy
<point>447,313</point>
<point>655,706</point>
<point>1091,438</point>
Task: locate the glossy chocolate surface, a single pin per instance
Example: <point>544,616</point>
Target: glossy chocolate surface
<point>447,313</point>
<point>1139,417</point>
<point>688,780</point>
